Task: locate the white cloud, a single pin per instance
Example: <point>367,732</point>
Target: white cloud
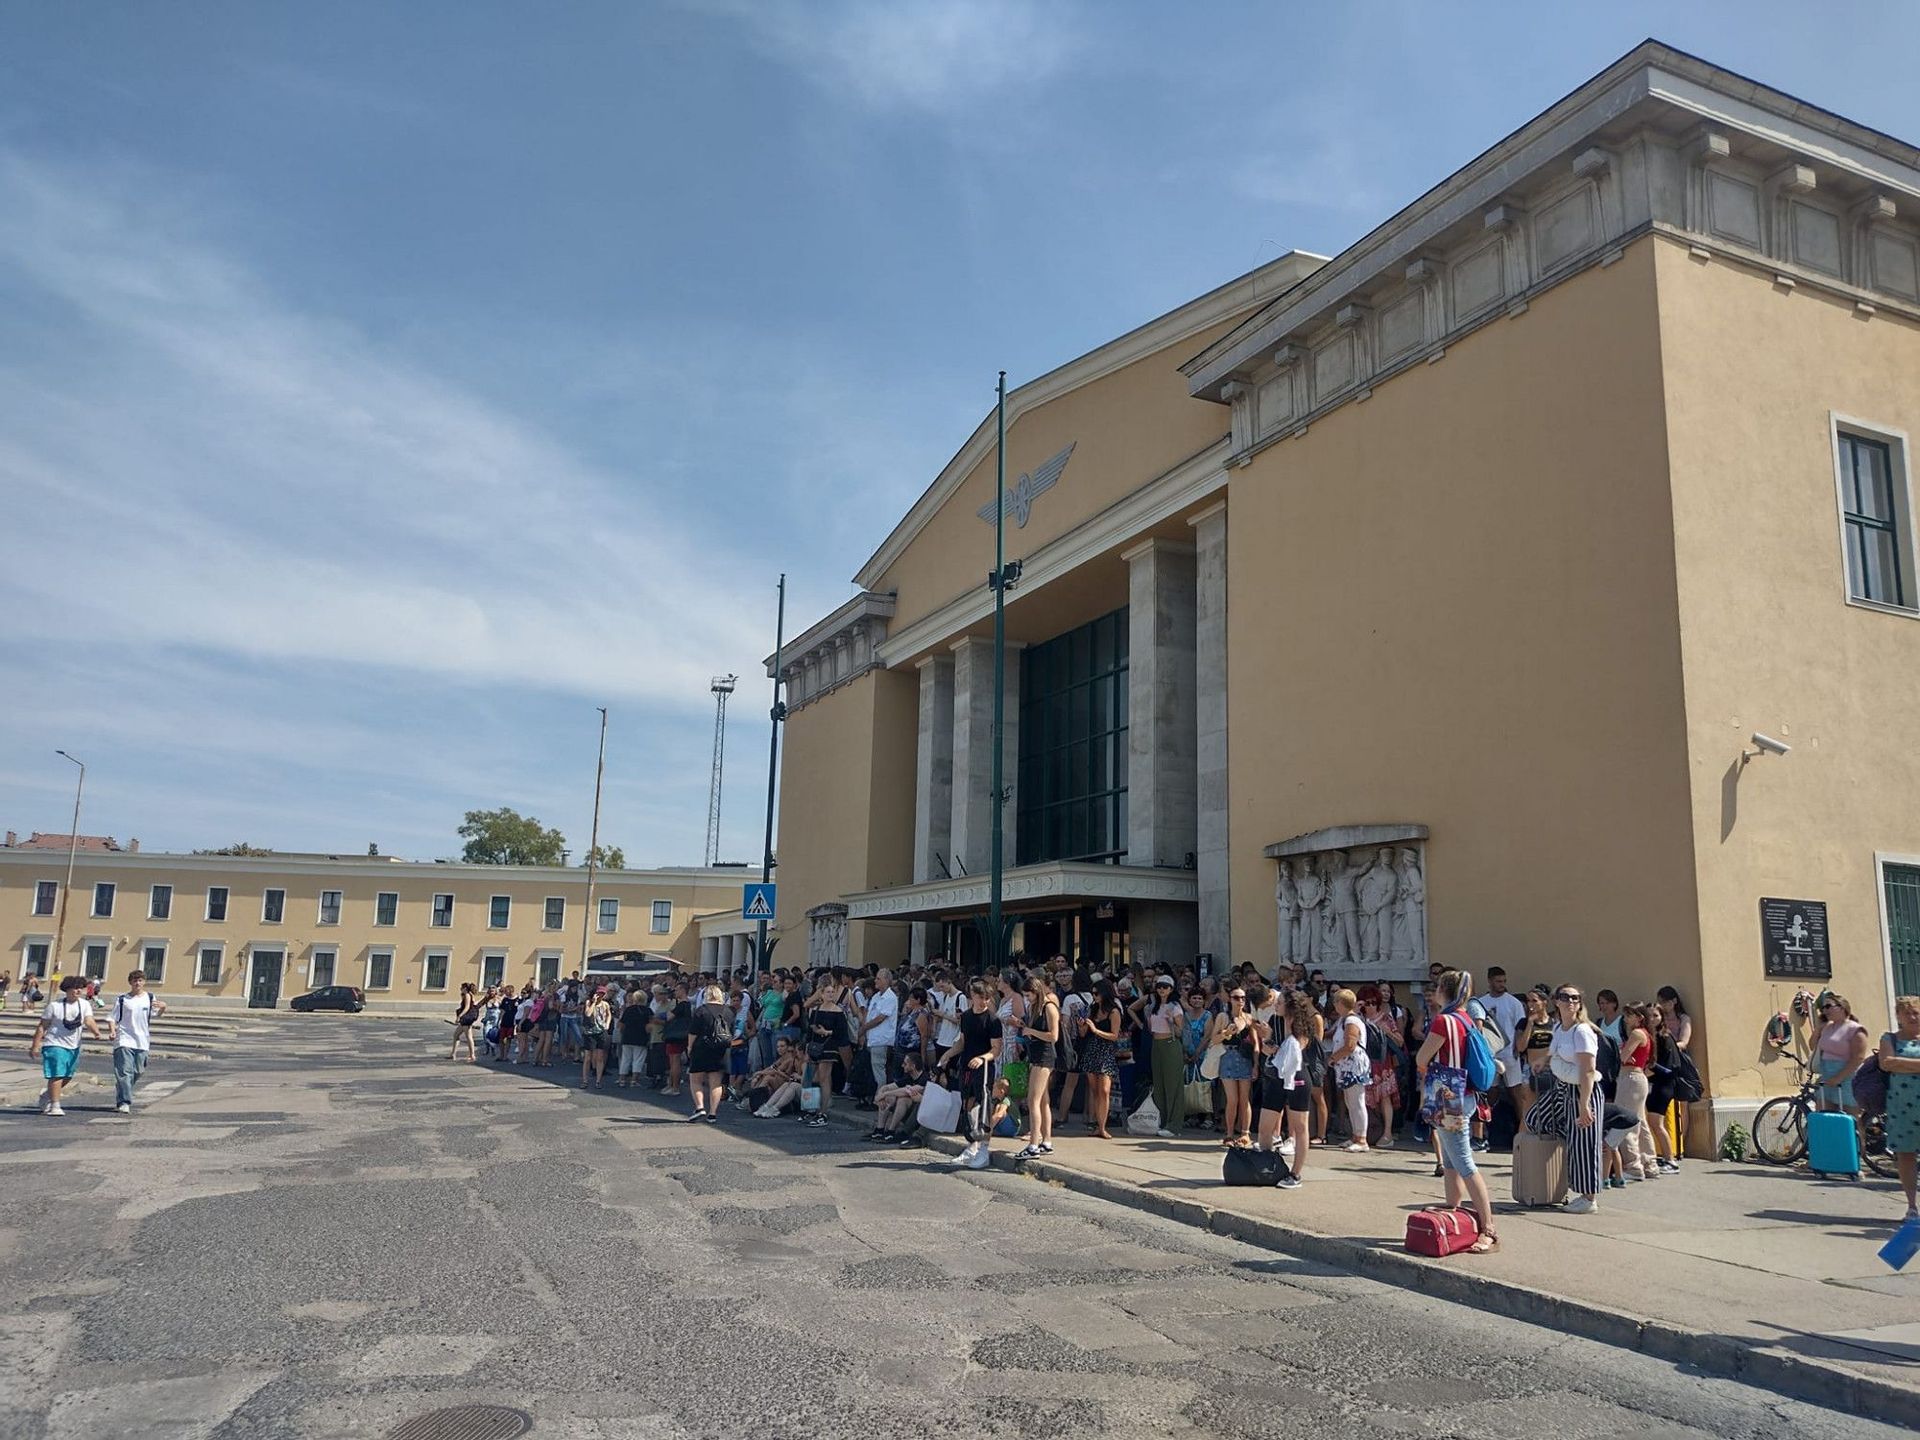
<point>189,459</point>
<point>930,56</point>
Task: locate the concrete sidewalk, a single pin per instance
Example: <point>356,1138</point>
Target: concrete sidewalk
<point>1767,1274</point>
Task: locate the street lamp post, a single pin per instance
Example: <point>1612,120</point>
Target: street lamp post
<point>73,847</point>
<point>1002,579</point>
<point>593,845</point>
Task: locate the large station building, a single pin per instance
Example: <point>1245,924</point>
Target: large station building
<point>1423,601</point>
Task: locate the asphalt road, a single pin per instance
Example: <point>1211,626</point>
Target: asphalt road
<point>328,1230</point>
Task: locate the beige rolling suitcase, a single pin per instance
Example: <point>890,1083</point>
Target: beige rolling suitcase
<point>1539,1170</point>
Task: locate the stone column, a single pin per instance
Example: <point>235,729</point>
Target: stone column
<point>1210,710</point>
<point>1161,776</point>
<point>972,758</point>
<point>932,788</point>
<point>709,952</point>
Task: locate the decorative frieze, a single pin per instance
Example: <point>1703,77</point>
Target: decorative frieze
<point>838,650</point>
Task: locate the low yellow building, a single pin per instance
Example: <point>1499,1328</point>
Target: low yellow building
<point>254,931</point>
<point>1453,598</point>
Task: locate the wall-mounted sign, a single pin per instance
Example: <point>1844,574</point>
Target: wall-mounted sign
<point>1028,488</point>
<point>1104,910</point>
<point>1793,936</point>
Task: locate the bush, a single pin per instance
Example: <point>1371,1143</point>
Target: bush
<point>1734,1144</point>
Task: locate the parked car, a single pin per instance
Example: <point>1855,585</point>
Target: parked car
<point>331,997</point>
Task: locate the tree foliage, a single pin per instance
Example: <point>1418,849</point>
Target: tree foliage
<point>241,849</point>
<point>506,837</point>
<point>608,857</point>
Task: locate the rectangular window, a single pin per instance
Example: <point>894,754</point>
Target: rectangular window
<point>1071,797</point>
<point>493,967</point>
<point>609,916</point>
<point>207,972</point>
<point>499,911</point>
<point>1903,925</point>
<point>46,894</point>
<point>103,900</point>
<point>379,969</point>
<point>662,917</point>
<point>547,967</point>
<point>216,902</point>
<point>555,918</point>
<point>442,912</point>
<point>93,959</point>
<point>153,961</point>
<point>323,968</point>
<point>1876,513</point>
<point>36,957</point>
<point>160,903</point>
<point>386,908</point>
<point>273,907</point>
<point>436,976</point>
<point>330,907</point>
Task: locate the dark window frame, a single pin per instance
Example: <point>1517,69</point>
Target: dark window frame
<point>1071,793</point>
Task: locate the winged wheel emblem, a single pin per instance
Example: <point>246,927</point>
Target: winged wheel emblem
<point>1028,488</point>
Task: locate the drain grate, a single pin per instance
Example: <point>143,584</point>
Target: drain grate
<point>465,1422</point>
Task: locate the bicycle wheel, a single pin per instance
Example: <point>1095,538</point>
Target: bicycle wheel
<point>1780,1130</point>
<point>1873,1147</point>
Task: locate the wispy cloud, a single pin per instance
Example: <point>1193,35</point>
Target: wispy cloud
<point>929,57</point>
<point>194,460</point>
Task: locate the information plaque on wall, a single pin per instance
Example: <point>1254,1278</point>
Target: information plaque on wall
<point>1793,933</point>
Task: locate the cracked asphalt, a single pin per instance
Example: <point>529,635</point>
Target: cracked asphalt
<point>329,1229</point>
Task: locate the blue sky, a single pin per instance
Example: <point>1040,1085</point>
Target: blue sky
<point>383,387</point>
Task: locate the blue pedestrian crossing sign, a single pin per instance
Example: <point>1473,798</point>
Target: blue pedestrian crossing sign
<point>757,902</point>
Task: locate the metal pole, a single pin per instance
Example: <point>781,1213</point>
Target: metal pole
<point>777,714</point>
<point>593,845</point>
<point>994,922</point>
<point>73,845</point>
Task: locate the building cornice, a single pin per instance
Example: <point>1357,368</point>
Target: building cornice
<point>1161,498</point>
<point>836,651</point>
<point>1052,880</point>
<point>1236,297</point>
<point>1660,142</point>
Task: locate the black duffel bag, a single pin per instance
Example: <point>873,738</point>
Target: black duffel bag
<point>1246,1166</point>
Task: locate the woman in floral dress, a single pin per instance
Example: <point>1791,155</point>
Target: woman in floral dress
<point>1900,1059</point>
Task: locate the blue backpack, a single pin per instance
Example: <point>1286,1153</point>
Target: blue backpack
<point>1482,1073</point>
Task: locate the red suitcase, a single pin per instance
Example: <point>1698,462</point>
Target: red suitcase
<point>1441,1232</point>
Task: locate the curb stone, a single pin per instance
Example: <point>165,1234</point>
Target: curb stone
<point>1801,1377</point>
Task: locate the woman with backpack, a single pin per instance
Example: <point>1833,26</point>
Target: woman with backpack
<point>1660,1078</point>
<point>1450,1100</point>
<point>1386,1044</point>
<point>596,1032</point>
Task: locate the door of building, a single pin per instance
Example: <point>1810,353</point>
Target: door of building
<point>263,986</point>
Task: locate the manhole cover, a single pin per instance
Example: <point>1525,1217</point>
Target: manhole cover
<point>465,1422</point>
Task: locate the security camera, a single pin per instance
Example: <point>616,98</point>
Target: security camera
<point>1769,745</point>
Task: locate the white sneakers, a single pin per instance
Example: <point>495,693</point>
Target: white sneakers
<point>974,1157</point>
<point>123,1109</point>
<point>52,1109</point>
<point>1286,1146</point>
<point>1164,1134</point>
<point>1582,1205</point>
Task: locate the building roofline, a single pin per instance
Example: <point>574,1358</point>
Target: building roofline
<point>1249,291</point>
<point>380,868</point>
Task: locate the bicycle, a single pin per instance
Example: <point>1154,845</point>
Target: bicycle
<point>1780,1129</point>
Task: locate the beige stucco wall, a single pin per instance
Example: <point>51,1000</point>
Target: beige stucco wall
<point>1751,374</point>
<point>1453,604</point>
<point>1126,427</point>
<point>846,808</point>
<point>466,940</point>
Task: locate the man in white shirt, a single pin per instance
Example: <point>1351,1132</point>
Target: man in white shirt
<point>131,1026</point>
<point>1508,1012</point>
<point>882,1021</point>
<point>946,1004</point>
<point>56,1039</point>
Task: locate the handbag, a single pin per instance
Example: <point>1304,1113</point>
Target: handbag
<point>1210,1063</point>
<point>939,1108</point>
<point>1246,1166</point>
<point>1199,1097</point>
<point>1316,1063</point>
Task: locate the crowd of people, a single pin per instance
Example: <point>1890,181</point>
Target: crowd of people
<point>1285,1066</point>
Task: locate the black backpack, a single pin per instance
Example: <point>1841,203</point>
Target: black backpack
<point>1376,1042</point>
<point>1608,1064</point>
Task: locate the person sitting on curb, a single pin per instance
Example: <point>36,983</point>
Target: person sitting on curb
<point>771,1090</point>
<point>899,1103</point>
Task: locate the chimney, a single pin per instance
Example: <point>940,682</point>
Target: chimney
<point>13,838</point>
<point>133,846</point>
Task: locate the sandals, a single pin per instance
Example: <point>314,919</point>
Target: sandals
<point>1485,1245</point>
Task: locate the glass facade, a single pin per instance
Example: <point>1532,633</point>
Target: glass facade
<point>1071,803</point>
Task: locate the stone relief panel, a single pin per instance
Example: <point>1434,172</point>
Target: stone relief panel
<point>1359,913</point>
<point>826,936</point>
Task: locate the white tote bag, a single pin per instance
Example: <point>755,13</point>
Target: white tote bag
<point>939,1109</point>
<point>1210,1062</point>
<point>1145,1120</point>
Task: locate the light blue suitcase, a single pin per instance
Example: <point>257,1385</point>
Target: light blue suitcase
<point>1833,1145</point>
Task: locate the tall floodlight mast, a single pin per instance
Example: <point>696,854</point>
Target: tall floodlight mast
<point>722,687</point>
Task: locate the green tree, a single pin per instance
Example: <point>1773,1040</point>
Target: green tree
<point>506,837</point>
<point>608,857</point>
<point>241,849</point>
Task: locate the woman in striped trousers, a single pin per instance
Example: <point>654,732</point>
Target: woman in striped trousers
<point>1570,1106</point>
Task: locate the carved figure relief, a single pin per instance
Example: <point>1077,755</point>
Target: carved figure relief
<point>1362,911</point>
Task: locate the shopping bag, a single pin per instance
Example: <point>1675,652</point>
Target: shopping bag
<point>1210,1062</point>
<point>1145,1120</point>
<point>809,1099</point>
<point>1014,1072</point>
<point>1199,1097</point>
<point>939,1109</point>
<point>1904,1245</point>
